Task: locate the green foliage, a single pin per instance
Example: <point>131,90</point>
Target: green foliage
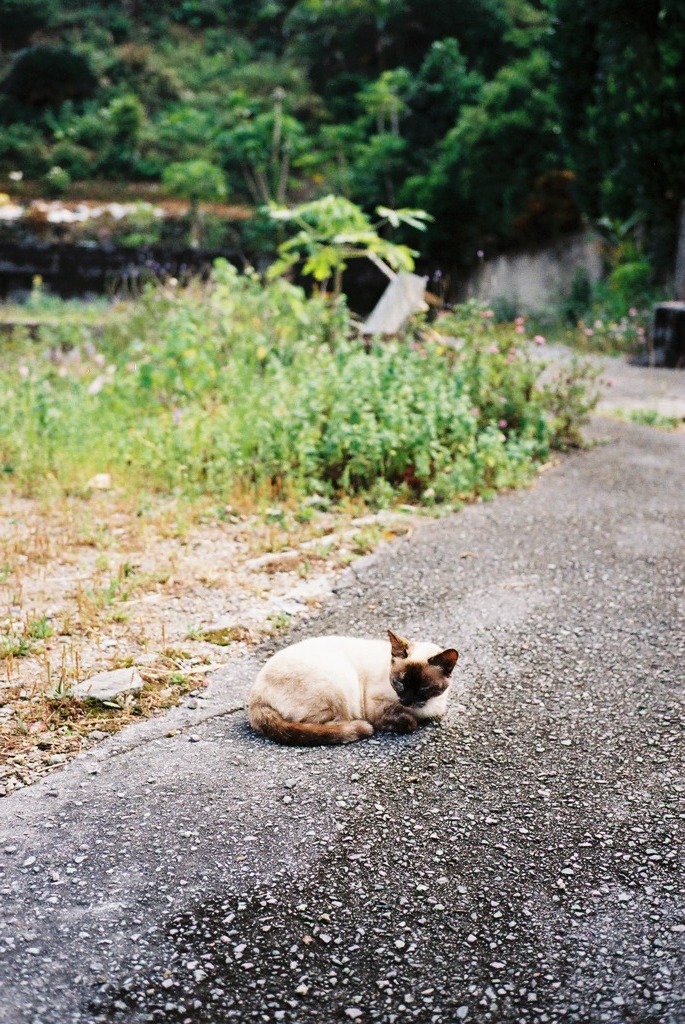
<point>19,19</point>
<point>57,181</point>
<point>126,114</point>
<point>333,230</point>
<point>621,68</point>
<point>264,148</point>
<point>245,392</point>
<point>507,120</point>
<point>512,126</point>
<point>195,180</point>
<point>47,76</point>
<point>648,418</point>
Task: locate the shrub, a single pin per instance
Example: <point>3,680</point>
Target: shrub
<point>19,19</point>
<point>57,181</point>
<point>47,76</point>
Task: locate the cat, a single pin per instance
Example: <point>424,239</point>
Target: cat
<point>338,689</point>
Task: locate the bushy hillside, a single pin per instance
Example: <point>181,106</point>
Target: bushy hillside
<point>508,120</point>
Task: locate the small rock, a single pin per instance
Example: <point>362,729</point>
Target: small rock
<point>109,685</point>
<point>100,482</point>
<point>193,739</point>
<point>97,734</point>
<point>352,1012</point>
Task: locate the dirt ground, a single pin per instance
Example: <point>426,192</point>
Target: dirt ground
<point>89,585</point>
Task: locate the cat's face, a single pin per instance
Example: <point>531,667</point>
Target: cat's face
<point>417,681</point>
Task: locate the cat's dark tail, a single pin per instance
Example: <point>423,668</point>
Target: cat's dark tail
<point>267,721</point>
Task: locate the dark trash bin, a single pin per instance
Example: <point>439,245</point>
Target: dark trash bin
<point>668,335</point>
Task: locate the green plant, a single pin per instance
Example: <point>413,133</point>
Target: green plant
<point>57,181</point>
<point>13,646</point>
<point>47,76</point>
<point>247,393</point>
<point>39,629</point>
<point>197,181</point>
<point>570,398</point>
<point>648,418</point>
<point>333,230</point>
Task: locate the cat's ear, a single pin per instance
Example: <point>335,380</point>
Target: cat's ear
<point>398,646</point>
<point>445,661</point>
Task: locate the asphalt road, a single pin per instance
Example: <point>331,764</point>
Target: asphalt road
<point>523,862</point>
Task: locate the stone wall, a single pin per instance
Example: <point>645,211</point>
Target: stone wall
<point>535,280</point>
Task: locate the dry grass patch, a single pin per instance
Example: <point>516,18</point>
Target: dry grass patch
<point>104,582</point>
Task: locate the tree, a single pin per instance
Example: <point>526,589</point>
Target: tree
<point>619,70</point>
<point>197,181</point>
<point>264,148</point>
<point>333,230</point>
<point>19,19</point>
<point>47,76</point>
<point>379,169</point>
<point>443,85</point>
<point>384,99</point>
<point>490,161</point>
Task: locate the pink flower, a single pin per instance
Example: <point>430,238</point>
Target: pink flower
<point>632,311</point>
<point>589,332</point>
<point>23,372</point>
<point>539,340</point>
<point>520,321</point>
<point>475,411</point>
<point>493,349</point>
<point>520,329</point>
<point>487,314</point>
<point>502,423</point>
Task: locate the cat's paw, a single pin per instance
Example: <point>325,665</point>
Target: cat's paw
<point>399,720</point>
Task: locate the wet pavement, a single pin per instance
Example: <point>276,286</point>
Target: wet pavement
<point>522,862</point>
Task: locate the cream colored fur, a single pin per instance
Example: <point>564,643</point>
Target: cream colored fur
<point>335,679</point>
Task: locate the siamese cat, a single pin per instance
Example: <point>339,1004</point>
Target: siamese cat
<point>338,689</point>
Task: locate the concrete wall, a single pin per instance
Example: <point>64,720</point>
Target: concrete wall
<point>535,280</point>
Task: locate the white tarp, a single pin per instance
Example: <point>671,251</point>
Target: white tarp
<point>403,296</point>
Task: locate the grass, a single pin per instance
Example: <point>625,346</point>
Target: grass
<point>647,418</point>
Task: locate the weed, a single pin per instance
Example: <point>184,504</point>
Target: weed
<point>39,629</point>
<point>366,540</point>
<point>226,635</point>
<point>279,622</point>
<point>648,418</point>
<point>14,646</point>
<point>242,394</point>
